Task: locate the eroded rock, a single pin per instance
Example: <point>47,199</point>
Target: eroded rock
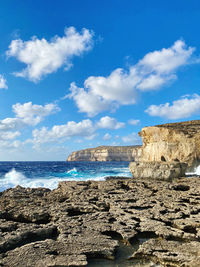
<point>172,142</point>
<point>157,170</point>
<point>89,220</point>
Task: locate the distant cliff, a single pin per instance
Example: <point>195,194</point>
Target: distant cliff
<point>106,153</point>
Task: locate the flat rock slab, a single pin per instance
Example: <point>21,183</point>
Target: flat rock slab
<point>157,170</point>
<point>80,221</point>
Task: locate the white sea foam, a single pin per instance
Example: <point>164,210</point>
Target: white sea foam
<point>195,172</point>
<point>14,178</point>
<point>72,171</point>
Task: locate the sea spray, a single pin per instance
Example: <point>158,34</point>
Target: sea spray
<point>13,177</point>
<point>197,170</point>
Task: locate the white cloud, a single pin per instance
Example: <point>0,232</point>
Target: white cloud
<point>133,122</point>
<point>107,136</point>
<point>109,123</point>
<point>121,87</point>
<point>167,60</point>
<point>25,114</point>
<point>87,102</point>
<point>103,93</point>
<point>8,145</point>
<point>132,139</point>
<point>8,135</point>
<point>85,129</point>
<point>154,81</point>
<point>3,82</point>
<point>11,124</point>
<point>182,108</point>
<point>43,57</point>
<point>33,114</point>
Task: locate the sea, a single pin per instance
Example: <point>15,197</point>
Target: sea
<point>49,174</point>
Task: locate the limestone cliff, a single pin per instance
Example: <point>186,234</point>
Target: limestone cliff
<point>172,142</point>
<point>106,153</point>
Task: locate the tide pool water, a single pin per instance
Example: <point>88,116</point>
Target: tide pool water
<point>49,174</point>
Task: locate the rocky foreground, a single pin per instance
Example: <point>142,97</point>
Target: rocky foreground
<point>80,222</point>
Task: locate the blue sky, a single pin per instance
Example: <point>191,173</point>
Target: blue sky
<point>82,73</point>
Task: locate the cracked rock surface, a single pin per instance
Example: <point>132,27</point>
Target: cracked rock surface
<point>81,221</point>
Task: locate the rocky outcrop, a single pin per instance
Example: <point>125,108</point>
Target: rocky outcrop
<point>172,142</point>
<point>167,150</point>
<point>95,223</point>
<point>106,153</point>
<point>158,170</point>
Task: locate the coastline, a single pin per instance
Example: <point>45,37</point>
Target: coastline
<point>80,222</point>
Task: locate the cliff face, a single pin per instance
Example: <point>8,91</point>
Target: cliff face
<point>172,142</point>
<point>168,151</point>
<point>106,153</point>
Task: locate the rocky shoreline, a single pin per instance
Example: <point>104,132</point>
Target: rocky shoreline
<point>83,223</point>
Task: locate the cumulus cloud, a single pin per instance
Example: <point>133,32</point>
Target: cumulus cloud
<point>107,136</point>
<point>3,82</point>
<point>109,123</point>
<point>85,129</point>
<point>167,60</point>
<point>87,102</point>
<point>121,87</point>
<point>154,81</point>
<point>9,135</point>
<point>133,122</point>
<point>11,124</point>
<point>132,139</point>
<point>182,108</point>
<point>8,144</point>
<point>25,114</point>
<point>33,114</point>
<point>43,57</point>
<point>105,93</point>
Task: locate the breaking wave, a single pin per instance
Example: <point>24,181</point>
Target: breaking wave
<point>14,178</point>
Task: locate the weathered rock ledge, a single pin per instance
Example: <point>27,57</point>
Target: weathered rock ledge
<point>82,221</point>
<point>168,150</point>
<point>158,170</point>
<point>172,142</point>
<point>106,153</point>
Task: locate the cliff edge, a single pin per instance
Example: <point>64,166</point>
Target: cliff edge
<point>172,142</point>
<point>168,150</point>
<point>106,153</point>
